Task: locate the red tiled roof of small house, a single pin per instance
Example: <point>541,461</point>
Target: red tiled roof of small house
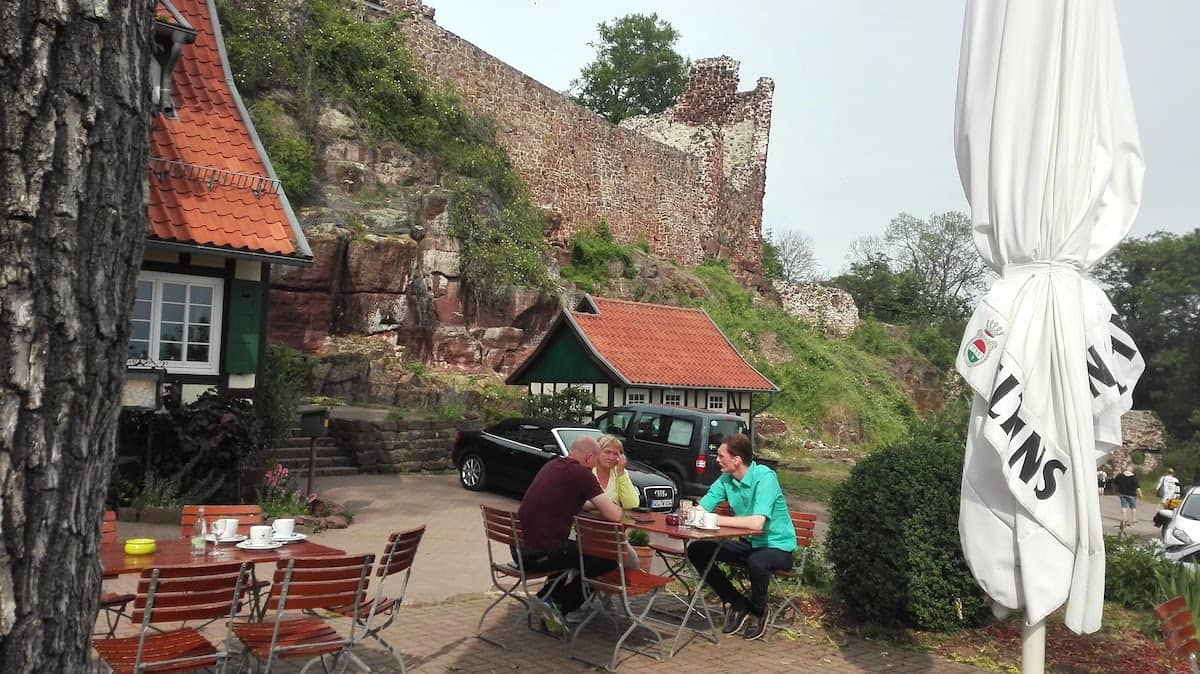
<point>208,184</point>
<point>661,345</point>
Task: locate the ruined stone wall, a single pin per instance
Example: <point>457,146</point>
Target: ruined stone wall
<point>831,309</point>
<point>691,188</point>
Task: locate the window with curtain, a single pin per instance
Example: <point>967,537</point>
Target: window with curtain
<point>176,322</point>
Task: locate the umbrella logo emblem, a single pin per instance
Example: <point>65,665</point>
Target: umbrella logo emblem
<point>981,345</point>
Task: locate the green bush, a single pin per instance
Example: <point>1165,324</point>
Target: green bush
<point>287,380</point>
<point>571,403</point>
<point>893,540</point>
<point>198,449</point>
<point>592,251</point>
<point>292,154</point>
<point>1131,572</point>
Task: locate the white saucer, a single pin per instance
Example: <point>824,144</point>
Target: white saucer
<point>247,545</point>
<point>290,539</point>
<point>236,539</point>
<point>703,528</point>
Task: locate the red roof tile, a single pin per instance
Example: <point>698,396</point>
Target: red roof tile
<point>204,167</point>
<point>660,345</point>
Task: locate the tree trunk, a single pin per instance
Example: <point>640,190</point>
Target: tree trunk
<point>74,101</point>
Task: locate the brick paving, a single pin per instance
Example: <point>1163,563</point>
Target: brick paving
<point>441,638</point>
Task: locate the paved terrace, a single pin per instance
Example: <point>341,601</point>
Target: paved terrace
<point>435,629</point>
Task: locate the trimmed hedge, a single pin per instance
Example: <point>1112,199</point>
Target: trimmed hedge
<point>893,539</point>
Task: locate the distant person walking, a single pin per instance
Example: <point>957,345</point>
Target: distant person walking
<point>1128,492</point>
<point>1101,480</point>
<point>1168,486</point>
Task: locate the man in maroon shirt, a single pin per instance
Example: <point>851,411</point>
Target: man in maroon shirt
<point>560,490</point>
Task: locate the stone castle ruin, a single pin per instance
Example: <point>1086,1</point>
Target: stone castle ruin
<point>688,181</point>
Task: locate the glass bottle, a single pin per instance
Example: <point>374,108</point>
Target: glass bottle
<point>198,531</point>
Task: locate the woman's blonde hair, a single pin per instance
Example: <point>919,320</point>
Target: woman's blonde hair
<point>609,439</point>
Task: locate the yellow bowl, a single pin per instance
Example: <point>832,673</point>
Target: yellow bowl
<point>139,546</point>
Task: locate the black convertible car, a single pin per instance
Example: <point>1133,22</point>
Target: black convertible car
<point>508,455</point>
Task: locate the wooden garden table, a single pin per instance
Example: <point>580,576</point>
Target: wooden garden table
<point>657,523</point>
<point>178,552</point>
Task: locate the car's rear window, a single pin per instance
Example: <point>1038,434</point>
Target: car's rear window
<point>719,428</point>
<point>680,432</point>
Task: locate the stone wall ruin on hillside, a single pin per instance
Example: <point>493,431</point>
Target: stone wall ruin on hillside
<point>690,180</point>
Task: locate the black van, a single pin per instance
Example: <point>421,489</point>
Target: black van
<point>679,441</point>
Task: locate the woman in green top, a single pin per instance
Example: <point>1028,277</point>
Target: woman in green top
<point>611,474</point>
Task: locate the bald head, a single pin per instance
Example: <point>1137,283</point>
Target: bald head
<point>585,450</point>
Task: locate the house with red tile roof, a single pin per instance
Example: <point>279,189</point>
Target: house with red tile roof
<point>633,352</point>
<point>218,220</point>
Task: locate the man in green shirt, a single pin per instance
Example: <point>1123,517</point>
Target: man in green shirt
<point>757,502</point>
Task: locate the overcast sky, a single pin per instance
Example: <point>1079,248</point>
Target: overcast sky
<point>864,96</point>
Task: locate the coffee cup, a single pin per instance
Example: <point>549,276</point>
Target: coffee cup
<point>225,528</point>
<point>709,521</point>
<point>695,516</point>
<point>283,528</point>
<point>260,535</point>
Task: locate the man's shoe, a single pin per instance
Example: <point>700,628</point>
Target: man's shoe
<point>552,620</point>
<point>735,617</point>
<point>758,625</point>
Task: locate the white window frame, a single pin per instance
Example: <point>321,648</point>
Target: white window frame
<point>714,396</point>
<point>217,285</point>
<point>676,393</point>
<point>630,393</point>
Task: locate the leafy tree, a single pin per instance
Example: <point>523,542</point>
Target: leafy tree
<point>941,253</point>
<point>637,70</point>
<point>75,96</point>
<point>797,261</point>
<point>1154,284</point>
<point>892,297</point>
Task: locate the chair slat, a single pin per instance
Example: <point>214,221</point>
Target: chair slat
<point>247,515</point>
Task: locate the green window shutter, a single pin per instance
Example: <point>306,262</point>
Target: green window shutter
<point>243,327</point>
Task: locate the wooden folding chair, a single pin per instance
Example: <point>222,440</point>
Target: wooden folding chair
<point>502,529</point>
<point>1175,619</point>
<point>804,524</point>
<point>171,594</point>
<point>308,584</point>
<point>248,515</point>
<point>606,540</point>
<point>112,603</point>
<point>397,557</point>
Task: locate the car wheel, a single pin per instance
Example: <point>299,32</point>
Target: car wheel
<point>472,473</point>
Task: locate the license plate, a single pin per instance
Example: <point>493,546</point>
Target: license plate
<point>661,503</point>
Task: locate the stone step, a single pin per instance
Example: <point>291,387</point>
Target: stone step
<point>321,462</point>
<point>302,452</point>
<point>326,471</point>
<point>294,443</point>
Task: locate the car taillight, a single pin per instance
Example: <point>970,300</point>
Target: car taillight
<point>701,463</point>
<point>457,437</point>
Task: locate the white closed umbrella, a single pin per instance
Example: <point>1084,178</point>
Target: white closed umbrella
<point>1050,160</point>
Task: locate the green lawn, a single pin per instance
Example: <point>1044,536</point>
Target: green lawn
<point>814,484</point>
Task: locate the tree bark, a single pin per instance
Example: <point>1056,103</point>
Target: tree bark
<point>74,102</point>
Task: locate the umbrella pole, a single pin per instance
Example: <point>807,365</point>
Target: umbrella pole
<point>1033,648</point>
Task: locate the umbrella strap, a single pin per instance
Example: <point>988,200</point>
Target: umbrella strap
<point>1018,270</point>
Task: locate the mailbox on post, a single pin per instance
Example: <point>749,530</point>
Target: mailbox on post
<point>314,423</point>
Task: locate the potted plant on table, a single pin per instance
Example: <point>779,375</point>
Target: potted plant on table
<point>640,542</point>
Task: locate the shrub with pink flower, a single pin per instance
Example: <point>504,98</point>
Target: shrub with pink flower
<point>280,497</point>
